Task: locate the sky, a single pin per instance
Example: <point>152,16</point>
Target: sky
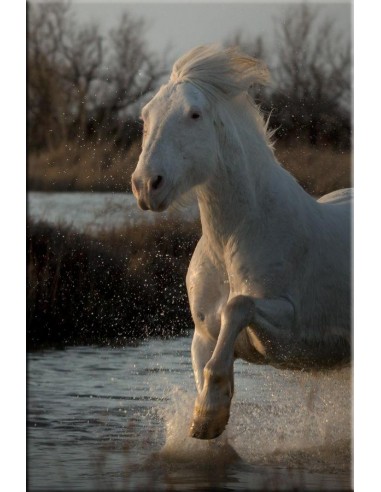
<point>176,27</point>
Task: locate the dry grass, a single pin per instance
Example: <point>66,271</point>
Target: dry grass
<point>93,166</point>
<point>319,170</point>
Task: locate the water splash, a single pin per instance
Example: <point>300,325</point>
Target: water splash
<point>180,447</point>
<point>292,419</point>
<point>306,420</point>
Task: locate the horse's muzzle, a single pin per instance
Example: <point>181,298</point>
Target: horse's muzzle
<point>148,192</point>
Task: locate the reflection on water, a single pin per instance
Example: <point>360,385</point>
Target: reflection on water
<point>117,419</point>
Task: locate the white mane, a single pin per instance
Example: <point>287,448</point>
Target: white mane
<point>222,74</point>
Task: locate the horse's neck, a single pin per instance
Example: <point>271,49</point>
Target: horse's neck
<point>248,189</point>
<point>224,201</point>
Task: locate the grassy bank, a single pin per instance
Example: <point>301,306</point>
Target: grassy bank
<point>107,289</point>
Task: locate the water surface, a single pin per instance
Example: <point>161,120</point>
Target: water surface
<point>117,419</point>
<point>93,211</point>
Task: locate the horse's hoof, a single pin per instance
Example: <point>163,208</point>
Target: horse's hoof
<point>204,430</point>
<point>209,427</point>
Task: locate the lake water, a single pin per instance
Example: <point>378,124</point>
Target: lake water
<point>117,419</point>
<point>94,211</point>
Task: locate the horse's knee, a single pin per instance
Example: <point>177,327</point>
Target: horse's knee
<point>239,310</point>
<point>208,323</point>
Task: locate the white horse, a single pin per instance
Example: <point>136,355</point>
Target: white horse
<point>270,279</point>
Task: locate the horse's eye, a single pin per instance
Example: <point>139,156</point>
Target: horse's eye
<point>195,115</point>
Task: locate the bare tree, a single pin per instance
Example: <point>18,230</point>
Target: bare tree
<point>63,61</point>
<point>131,72</point>
<point>82,60</point>
<point>80,83</point>
<point>313,75</point>
<point>310,96</point>
<point>47,99</point>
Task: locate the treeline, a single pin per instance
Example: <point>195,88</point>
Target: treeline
<point>85,90</point>
<point>82,85</point>
<point>310,98</point>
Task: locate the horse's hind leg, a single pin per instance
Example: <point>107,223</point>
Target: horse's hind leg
<point>272,317</point>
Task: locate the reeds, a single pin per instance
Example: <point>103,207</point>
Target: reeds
<point>112,288</point>
<point>319,170</point>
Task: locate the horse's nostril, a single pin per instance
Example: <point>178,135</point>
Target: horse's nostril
<point>156,182</point>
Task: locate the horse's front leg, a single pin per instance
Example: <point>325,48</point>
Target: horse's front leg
<point>212,407</point>
<point>202,350</point>
<point>268,318</point>
<point>207,291</point>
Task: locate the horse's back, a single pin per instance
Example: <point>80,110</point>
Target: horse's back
<point>344,195</point>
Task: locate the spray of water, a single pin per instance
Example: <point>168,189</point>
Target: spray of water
<point>180,447</point>
<point>285,428</point>
<point>305,421</point>
<point>293,419</point>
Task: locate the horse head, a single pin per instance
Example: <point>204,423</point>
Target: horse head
<point>182,125</point>
<point>179,146</point>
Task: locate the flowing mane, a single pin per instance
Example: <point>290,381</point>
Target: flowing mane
<point>222,74</point>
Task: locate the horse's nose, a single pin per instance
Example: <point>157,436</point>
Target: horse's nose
<point>153,184</point>
<point>145,190</point>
